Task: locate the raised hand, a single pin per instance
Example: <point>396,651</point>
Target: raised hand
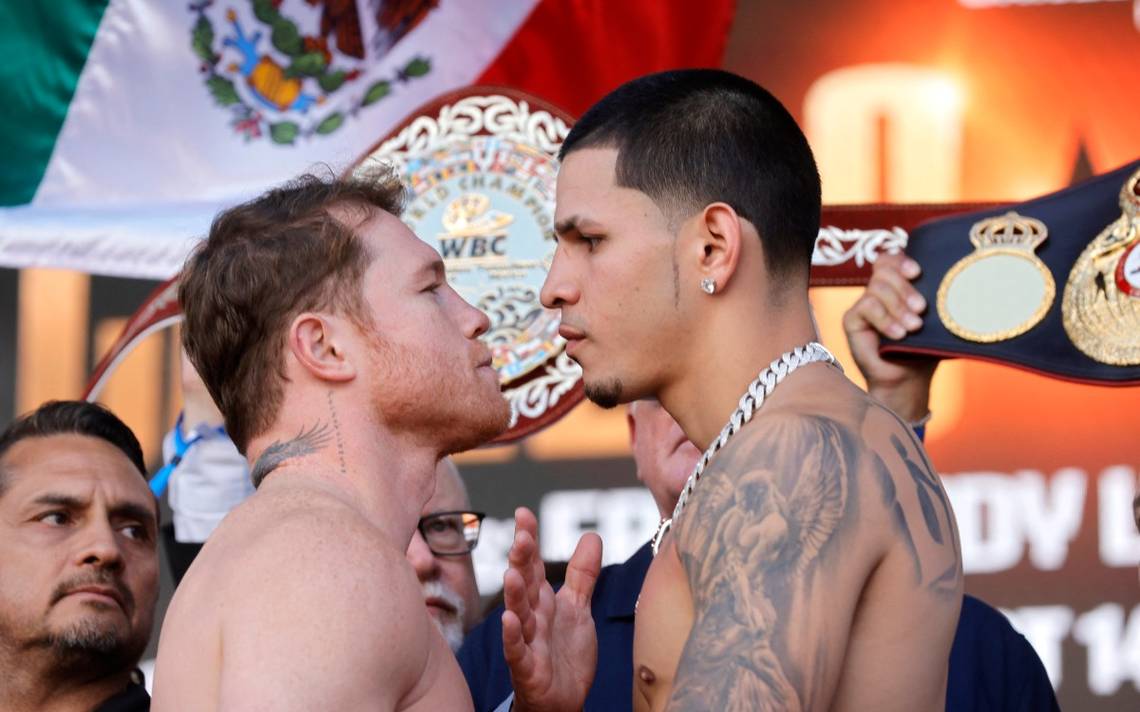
<point>549,639</point>
<point>891,307</point>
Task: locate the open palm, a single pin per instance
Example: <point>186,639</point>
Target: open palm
<point>549,639</point>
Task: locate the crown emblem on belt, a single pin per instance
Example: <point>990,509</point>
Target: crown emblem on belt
<point>1009,230</point>
<point>1002,289</point>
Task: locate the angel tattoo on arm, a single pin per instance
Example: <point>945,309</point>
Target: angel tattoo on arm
<point>751,545</point>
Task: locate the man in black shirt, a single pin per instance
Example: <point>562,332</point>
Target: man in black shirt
<point>78,551</point>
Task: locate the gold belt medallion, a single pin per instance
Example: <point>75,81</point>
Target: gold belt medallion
<point>1002,289</point>
<point>1101,304</point>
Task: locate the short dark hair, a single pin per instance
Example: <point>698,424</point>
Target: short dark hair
<point>263,263</point>
<point>690,137</point>
<point>72,418</point>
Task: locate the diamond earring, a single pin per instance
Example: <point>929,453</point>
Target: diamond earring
<point>708,284</point>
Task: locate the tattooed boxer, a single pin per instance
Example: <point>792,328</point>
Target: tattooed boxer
<point>812,561</point>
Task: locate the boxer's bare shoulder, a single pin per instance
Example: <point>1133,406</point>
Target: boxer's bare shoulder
<point>298,602</point>
<point>822,557</point>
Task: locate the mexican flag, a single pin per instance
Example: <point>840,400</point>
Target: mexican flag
<point>126,125</point>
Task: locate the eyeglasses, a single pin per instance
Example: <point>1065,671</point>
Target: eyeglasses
<point>451,533</point>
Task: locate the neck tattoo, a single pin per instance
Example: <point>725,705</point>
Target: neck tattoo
<point>305,443</point>
<point>339,438</point>
<point>750,402</point>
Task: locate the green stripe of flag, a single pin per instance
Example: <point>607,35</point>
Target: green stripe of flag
<point>43,47</point>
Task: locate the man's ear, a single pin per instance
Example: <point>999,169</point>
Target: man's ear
<point>720,233</point>
<point>318,342</point>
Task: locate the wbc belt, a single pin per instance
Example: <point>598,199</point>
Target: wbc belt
<point>480,165</point>
<point>1051,285</point>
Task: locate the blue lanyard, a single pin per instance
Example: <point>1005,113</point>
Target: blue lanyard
<point>161,479</point>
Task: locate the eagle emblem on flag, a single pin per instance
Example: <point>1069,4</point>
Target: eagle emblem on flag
<point>292,73</point>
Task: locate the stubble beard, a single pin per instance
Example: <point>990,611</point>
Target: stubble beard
<point>487,420</point>
<point>461,412</point>
<point>472,421</point>
<point>90,649</point>
<point>93,644</point>
<point>605,394</point>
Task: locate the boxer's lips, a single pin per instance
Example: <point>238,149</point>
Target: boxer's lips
<point>570,333</point>
<point>486,368</point>
<point>574,337</point>
<point>484,357</point>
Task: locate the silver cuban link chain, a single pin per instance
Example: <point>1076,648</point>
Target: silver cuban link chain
<point>750,402</point>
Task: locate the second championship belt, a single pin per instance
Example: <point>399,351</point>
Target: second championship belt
<point>1051,285</point>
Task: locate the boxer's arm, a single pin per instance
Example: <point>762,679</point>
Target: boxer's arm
<point>773,597</point>
<point>320,620</point>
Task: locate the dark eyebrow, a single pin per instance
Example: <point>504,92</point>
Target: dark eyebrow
<point>130,510</point>
<point>60,500</point>
<point>578,224</point>
<point>122,510</point>
<point>570,224</point>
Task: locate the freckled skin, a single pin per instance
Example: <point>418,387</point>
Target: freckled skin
<point>303,598</point>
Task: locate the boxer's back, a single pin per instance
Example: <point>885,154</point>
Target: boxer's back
<point>815,567</point>
<point>298,602</point>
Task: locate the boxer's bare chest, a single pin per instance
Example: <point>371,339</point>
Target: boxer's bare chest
<point>664,618</point>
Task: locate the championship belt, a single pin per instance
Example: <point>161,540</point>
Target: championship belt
<point>480,165</point>
<point>1101,306</point>
<point>1051,285</point>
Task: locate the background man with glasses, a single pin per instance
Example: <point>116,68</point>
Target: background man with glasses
<point>440,553</point>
